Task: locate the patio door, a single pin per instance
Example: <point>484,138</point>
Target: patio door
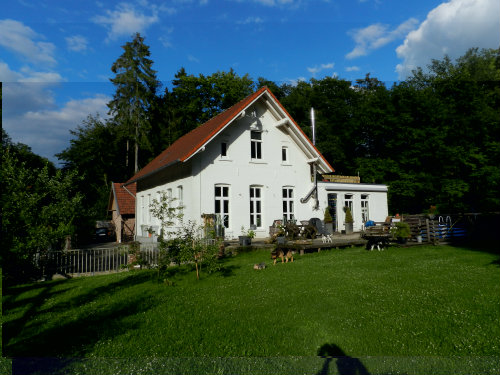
<point>332,207</point>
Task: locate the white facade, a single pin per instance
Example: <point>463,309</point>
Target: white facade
<point>253,171</point>
<point>366,201</point>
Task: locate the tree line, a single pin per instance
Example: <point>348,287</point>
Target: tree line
<point>434,138</point>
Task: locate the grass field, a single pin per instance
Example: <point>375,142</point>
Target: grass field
<point>426,309</point>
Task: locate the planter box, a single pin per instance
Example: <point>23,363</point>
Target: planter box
<point>349,227</point>
<point>245,240</point>
<point>329,228</point>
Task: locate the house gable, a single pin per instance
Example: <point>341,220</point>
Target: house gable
<point>197,140</point>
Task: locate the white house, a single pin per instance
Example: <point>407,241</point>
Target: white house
<point>251,164</point>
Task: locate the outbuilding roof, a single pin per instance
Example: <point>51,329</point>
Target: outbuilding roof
<point>124,198</point>
<point>189,144</point>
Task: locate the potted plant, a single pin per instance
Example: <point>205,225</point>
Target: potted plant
<point>328,221</point>
<point>401,232</point>
<point>246,237</point>
<point>349,222</point>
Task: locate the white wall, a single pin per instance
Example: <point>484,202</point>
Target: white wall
<point>238,171</point>
<point>376,196</point>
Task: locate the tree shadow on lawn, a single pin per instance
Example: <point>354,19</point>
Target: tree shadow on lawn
<point>75,337</point>
<point>345,365</point>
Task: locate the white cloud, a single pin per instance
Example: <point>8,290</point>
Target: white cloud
<point>25,42</point>
<point>126,20</point>
<point>251,20</point>
<point>376,36</point>
<point>77,43</point>
<point>46,131</point>
<point>352,69</point>
<point>451,28</point>
<point>318,68</point>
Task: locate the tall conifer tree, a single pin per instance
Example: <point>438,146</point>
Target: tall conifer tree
<point>136,86</point>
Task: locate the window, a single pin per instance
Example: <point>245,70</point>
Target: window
<point>284,154</point>
<point>255,206</point>
<point>223,149</point>
<point>365,215</point>
<point>222,203</point>
<point>256,145</point>
<point>180,197</point>
<point>150,218</point>
<point>143,209</point>
<point>287,193</point>
<point>348,199</point>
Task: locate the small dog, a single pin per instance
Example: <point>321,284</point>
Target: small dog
<point>259,266</point>
<point>279,253</point>
<point>380,242</point>
<point>327,238</point>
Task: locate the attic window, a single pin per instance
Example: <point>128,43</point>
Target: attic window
<point>256,145</point>
<point>284,154</point>
<point>223,149</point>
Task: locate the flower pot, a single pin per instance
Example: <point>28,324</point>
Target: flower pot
<point>349,227</point>
<point>329,228</point>
<point>245,240</point>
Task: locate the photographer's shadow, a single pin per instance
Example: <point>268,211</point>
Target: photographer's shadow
<point>345,365</point>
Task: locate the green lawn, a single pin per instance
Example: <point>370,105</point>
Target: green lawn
<point>404,310</point>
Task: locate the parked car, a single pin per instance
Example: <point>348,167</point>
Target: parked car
<point>104,234</point>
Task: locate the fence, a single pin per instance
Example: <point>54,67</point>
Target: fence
<point>97,260</point>
<point>440,228</point>
<point>92,261</point>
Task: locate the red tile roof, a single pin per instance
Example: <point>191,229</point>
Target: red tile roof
<point>188,144</point>
<point>124,199</point>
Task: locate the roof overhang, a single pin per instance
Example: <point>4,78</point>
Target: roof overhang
<point>340,186</point>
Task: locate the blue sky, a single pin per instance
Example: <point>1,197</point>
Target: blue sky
<point>55,55</point>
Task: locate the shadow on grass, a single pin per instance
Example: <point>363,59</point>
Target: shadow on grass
<point>76,334</point>
<point>345,365</point>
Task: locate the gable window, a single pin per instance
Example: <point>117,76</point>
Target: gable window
<point>222,203</point>
<point>287,194</point>
<point>255,206</point>
<point>256,145</point>
<point>365,214</point>
<point>284,154</point>
<point>223,149</point>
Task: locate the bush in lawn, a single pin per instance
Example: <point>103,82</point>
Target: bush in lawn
<point>184,242</point>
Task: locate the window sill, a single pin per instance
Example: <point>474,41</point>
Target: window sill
<point>257,161</point>
<point>286,164</point>
<point>225,159</point>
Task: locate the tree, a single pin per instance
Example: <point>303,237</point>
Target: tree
<point>196,99</point>
<point>179,241</point>
<point>40,208</point>
<point>136,86</point>
<point>96,152</point>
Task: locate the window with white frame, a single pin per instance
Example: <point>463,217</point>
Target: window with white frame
<point>180,199</point>
<point>287,195</point>
<point>143,209</point>
<point>348,201</point>
<point>256,206</point>
<point>365,213</point>
<point>256,145</point>
<point>222,203</point>
<point>150,216</point>
<point>223,149</point>
<point>284,154</point>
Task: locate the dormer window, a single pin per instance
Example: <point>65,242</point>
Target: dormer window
<point>256,145</point>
